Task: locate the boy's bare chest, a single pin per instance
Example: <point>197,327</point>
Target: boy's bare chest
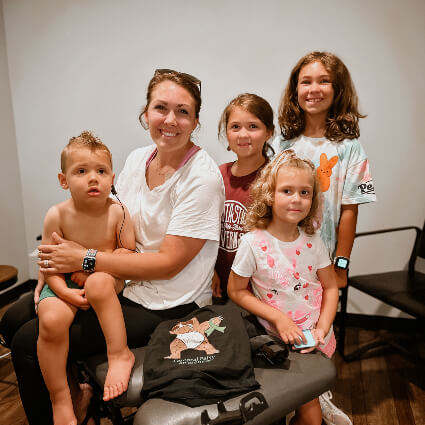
<point>93,232</point>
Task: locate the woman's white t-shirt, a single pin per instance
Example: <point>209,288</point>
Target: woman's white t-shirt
<point>190,204</point>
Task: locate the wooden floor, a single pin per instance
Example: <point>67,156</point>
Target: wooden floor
<point>383,390</point>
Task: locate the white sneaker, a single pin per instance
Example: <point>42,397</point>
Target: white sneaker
<point>330,413</point>
<point>289,416</point>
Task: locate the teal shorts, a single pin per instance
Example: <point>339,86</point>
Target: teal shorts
<point>46,292</point>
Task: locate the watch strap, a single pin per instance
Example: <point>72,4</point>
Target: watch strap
<point>91,253</point>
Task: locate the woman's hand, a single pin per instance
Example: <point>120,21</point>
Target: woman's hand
<point>64,257</point>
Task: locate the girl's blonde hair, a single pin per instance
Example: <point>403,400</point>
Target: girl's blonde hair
<point>259,214</point>
<point>342,121</point>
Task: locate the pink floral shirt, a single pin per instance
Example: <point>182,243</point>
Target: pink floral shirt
<point>284,276</point>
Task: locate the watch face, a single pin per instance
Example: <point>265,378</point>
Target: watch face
<point>342,263</point>
<point>89,264</point>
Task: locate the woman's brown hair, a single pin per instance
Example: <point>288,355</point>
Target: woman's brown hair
<point>342,121</point>
<point>187,81</point>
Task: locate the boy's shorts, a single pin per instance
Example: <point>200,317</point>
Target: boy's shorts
<point>46,292</point>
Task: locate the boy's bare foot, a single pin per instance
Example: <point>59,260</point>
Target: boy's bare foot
<point>63,412</point>
<point>119,370</point>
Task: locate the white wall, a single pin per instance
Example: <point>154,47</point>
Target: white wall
<point>77,64</point>
<point>13,246</point>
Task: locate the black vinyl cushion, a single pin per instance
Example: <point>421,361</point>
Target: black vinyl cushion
<point>398,289</point>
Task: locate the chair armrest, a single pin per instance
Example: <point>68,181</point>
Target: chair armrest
<point>413,255</point>
<point>395,229</point>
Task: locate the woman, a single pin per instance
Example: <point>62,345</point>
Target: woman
<point>175,195</point>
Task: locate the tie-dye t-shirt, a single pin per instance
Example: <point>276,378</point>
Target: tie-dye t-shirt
<point>284,276</point>
<point>344,176</point>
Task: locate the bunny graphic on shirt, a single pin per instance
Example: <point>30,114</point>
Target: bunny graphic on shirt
<point>324,171</point>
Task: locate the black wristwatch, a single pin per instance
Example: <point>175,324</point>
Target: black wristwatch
<point>89,261</point>
<point>342,262</point>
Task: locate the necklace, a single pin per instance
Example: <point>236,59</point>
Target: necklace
<point>167,173</point>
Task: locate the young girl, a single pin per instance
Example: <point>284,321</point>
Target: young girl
<point>319,120</point>
<point>247,123</point>
<point>286,263</point>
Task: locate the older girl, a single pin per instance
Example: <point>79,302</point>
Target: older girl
<point>319,120</point>
<point>247,125</point>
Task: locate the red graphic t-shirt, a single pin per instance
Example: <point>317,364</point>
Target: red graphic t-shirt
<point>232,220</point>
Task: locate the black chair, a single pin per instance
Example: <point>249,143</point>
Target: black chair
<point>403,289</point>
<point>8,277</point>
<point>284,387</point>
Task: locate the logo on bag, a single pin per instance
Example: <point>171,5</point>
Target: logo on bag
<point>193,335</point>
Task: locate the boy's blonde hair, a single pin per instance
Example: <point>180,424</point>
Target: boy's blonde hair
<point>259,214</point>
<point>87,140</point>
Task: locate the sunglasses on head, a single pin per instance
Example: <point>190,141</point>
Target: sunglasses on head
<point>191,78</point>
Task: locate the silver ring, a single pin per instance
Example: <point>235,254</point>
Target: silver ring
<point>46,264</point>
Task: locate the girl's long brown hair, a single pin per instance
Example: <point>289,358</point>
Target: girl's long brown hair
<point>342,121</point>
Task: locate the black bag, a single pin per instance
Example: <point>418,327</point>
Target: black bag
<point>201,359</point>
